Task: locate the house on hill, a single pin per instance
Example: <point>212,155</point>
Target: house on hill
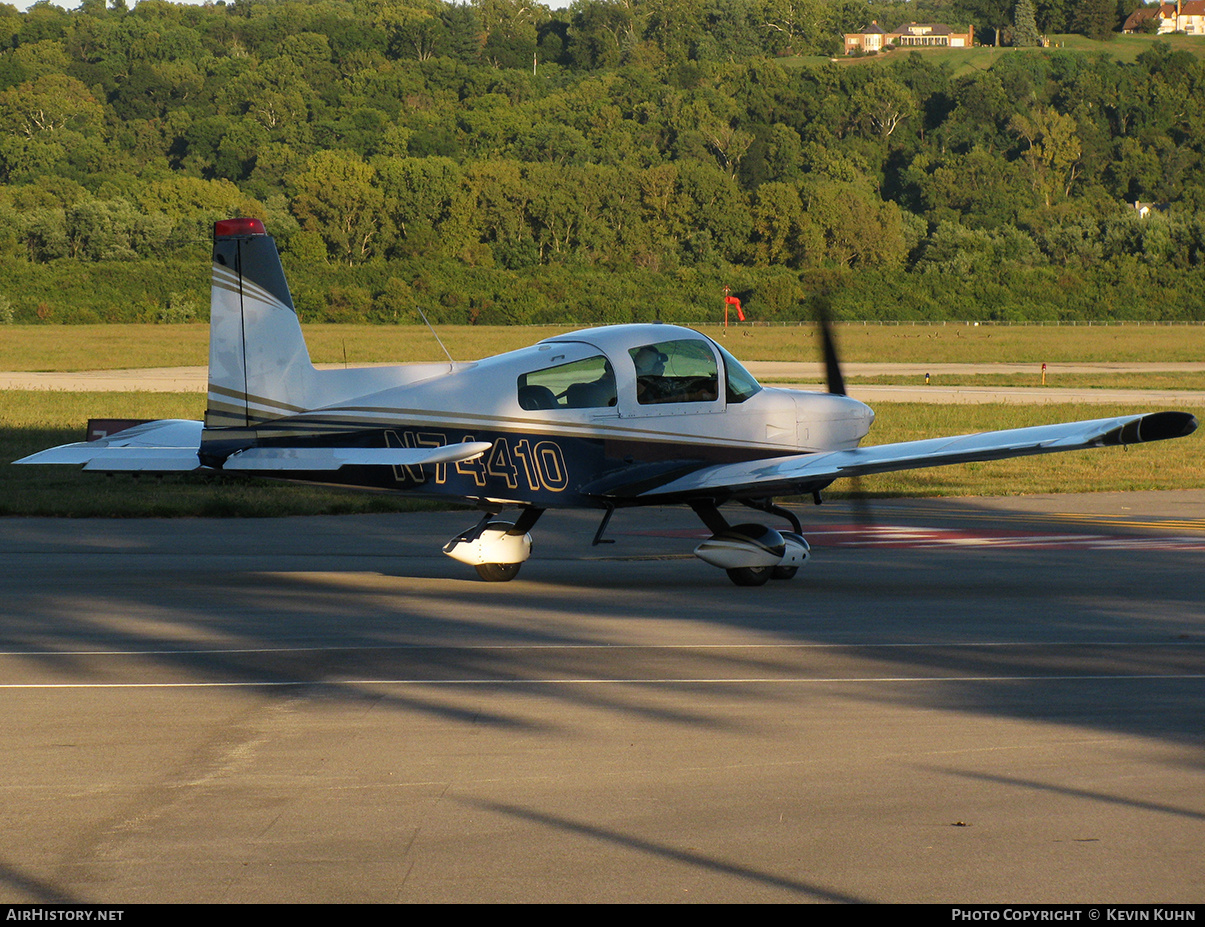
<point>1187,16</point>
<point>869,39</point>
<point>927,35</point>
<point>930,34</point>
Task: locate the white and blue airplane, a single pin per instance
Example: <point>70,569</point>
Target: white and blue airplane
<point>604,418</point>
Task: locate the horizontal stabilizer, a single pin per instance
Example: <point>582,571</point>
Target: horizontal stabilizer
<point>805,472</point>
<point>267,459</point>
<point>168,445</point>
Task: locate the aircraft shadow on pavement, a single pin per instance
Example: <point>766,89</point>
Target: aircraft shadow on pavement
<point>303,606</point>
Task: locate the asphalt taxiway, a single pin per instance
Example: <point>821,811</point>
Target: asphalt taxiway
<point>971,700</point>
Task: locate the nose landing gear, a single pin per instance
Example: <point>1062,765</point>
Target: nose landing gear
<point>752,554</point>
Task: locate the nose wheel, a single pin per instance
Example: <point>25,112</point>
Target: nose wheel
<point>750,576</point>
<point>497,572</point>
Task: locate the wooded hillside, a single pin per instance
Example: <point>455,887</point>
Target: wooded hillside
<point>501,162</point>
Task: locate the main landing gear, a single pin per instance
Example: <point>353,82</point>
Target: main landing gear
<point>496,549</point>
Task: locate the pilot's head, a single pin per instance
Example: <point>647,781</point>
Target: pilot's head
<point>650,362</point>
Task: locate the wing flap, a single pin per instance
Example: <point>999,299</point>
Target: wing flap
<point>802,472</point>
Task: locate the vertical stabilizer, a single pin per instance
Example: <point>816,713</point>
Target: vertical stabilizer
<point>259,368</point>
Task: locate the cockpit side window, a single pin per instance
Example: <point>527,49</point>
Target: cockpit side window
<point>583,384</point>
<point>741,384</point>
<point>675,371</point>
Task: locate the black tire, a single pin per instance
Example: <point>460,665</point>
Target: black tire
<point>783,572</point>
<point>750,576</point>
<point>498,572</point>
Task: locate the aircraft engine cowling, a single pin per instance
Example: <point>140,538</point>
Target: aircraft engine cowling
<point>493,545</point>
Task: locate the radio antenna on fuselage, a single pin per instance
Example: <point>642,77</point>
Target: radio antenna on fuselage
<point>437,341</point>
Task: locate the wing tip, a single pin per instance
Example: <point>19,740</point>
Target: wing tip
<point>1154,426</point>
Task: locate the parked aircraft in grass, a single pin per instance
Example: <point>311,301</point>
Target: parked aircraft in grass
<point>604,418</point>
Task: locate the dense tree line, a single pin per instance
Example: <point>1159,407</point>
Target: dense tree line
<point>498,161</point>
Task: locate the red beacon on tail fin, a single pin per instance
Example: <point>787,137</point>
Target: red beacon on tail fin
<point>233,228</point>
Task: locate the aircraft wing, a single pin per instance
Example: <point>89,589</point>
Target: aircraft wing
<point>172,444</point>
<point>806,472</point>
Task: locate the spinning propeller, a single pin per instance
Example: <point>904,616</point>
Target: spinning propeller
<point>832,363</point>
<point>835,381</point>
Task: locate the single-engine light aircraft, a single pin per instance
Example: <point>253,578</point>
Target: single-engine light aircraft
<point>605,418</point>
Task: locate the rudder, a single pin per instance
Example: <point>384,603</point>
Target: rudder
<point>259,367</point>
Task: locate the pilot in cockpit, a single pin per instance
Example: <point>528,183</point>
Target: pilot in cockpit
<point>649,362</point>
<point>650,368</point>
